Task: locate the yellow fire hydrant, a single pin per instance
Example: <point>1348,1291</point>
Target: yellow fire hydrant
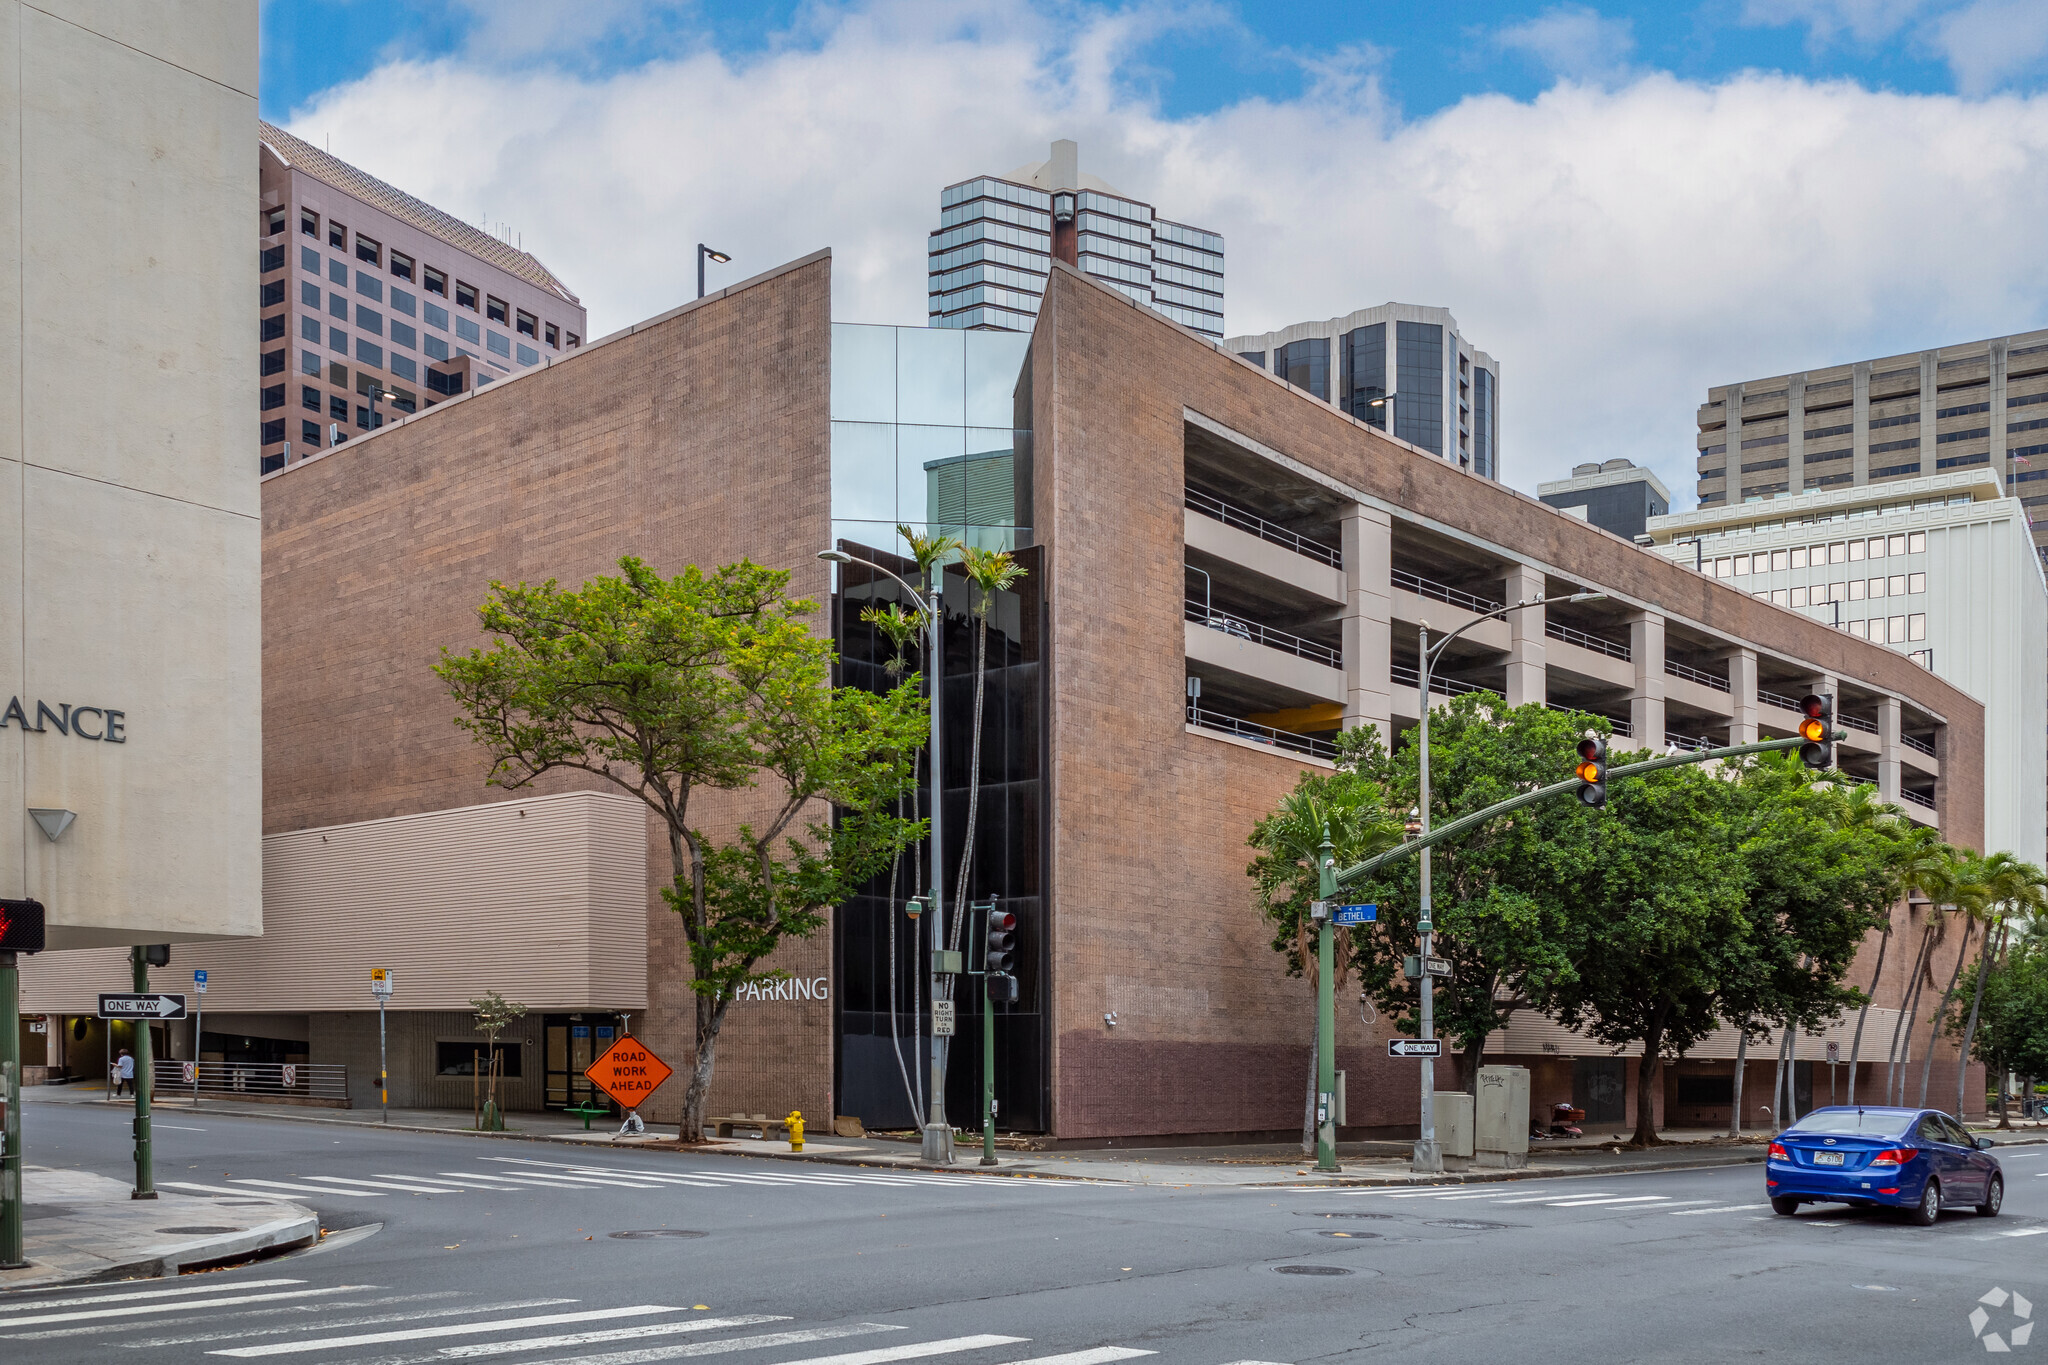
<point>796,1130</point>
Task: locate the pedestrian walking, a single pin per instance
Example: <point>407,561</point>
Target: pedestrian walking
<point>124,1073</point>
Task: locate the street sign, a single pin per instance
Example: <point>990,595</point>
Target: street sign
<point>1415,1047</point>
<point>1358,914</point>
<point>199,980</point>
<point>942,1019</point>
<point>153,1006</point>
<point>1414,967</point>
<point>628,1072</point>
<point>381,982</point>
<point>1834,1053</point>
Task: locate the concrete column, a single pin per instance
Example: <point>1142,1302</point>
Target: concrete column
<point>1997,414</point>
<point>1930,400</point>
<point>1646,701</point>
<point>1526,677</point>
<point>1368,619</point>
<point>1859,409</point>
<point>1890,714</point>
<point>1795,434</point>
<point>1742,696</point>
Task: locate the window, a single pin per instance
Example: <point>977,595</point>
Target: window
<point>1799,597</point>
<point>337,407</point>
<point>1781,597</point>
<point>309,330</point>
<point>435,281</point>
<point>369,249</point>
<point>369,353</point>
<point>273,432</point>
<point>309,397</point>
<point>309,259</point>
<point>554,338</point>
<point>1895,585</point>
<point>466,330</point>
<point>440,381</point>
<point>366,420</point>
<point>1855,550</point>
<point>337,375</point>
<point>465,296</point>
<point>1780,561</point>
<point>1860,629</point>
<point>1916,582</point>
<point>273,328</point>
<point>497,343</point>
<point>369,286</point>
<point>1837,592</point>
<point>435,316</point>
<point>370,320</point>
<point>401,265</point>
<point>1877,547</point>
<point>1897,633</point>
<point>337,340</point>
<point>1876,588</point>
<point>435,348</point>
<point>1706,1091</point>
<point>337,235</point>
<point>273,397</point>
<point>403,401</point>
<point>474,1059</point>
<point>1916,543</point>
<point>1837,552</point>
<point>309,223</point>
<point>528,356</point>
<point>1916,626</point>
<point>495,309</point>
<point>402,334</point>
<point>309,432</point>
<point>273,222</point>
<point>337,304</point>
<point>309,363</point>
<point>1898,545</point>
<point>405,368</point>
<point>529,325</point>
<point>309,294</point>
<point>269,259</point>
<point>574,340</point>
<point>337,273</point>
<point>1742,566</point>
<point>1419,382</point>
<point>1798,556</point>
<point>271,295</point>
<point>1855,590</point>
<point>402,302</point>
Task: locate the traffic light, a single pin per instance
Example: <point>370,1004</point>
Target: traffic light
<point>1817,728</point>
<point>999,946</point>
<point>21,926</point>
<point>1592,770</point>
<point>157,954</point>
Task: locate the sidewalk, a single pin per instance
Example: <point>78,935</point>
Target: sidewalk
<point>84,1227</point>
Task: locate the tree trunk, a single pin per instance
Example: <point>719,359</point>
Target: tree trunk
<point>1778,1105</point>
<point>1647,1072</point>
<point>1970,1029</point>
<point>1741,1065</point>
<point>1876,978</point>
<point>710,1019</point>
<point>1892,1061</point>
<point>1941,1008</point>
<point>1475,1054</point>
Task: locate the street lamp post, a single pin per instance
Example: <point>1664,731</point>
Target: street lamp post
<point>705,253</point>
<point>1428,1156</point>
<point>938,1133</point>
<point>1385,400</point>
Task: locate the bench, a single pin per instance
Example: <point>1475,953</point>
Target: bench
<point>767,1127</point>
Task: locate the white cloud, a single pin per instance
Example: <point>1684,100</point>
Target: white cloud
<point>1620,248</point>
<point>1863,21</point>
<point>1991,43</point>
<point>1572,41</point>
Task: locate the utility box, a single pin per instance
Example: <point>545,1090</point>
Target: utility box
<point>1454,1123</point>
<point>1501,1117</point>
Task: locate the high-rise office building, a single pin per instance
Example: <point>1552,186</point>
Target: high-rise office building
<point>386,300</point>
<point>1883,421</point>
<point>1444,392</point>
<point>999,234</point>
<point>1616,495</point>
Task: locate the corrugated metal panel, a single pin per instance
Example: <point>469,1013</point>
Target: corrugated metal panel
<point>1529,1033</point>
<point>543,899</point>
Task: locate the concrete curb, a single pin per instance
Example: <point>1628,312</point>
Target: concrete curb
<point>299,1228</point>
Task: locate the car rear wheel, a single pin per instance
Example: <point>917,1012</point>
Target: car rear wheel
<point>1788,1207</point>
<point>1994,1196</point>
<point>1924,1213</point>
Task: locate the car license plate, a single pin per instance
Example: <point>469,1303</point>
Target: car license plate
<point>1827,1158</point>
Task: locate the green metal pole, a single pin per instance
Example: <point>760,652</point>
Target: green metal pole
<point>10,1104</point>
<point>145,1075</point>
<point>1326,1012</point>
<point>988,1075</point>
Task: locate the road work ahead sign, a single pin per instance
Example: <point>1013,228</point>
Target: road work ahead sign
<point>628,1072</point>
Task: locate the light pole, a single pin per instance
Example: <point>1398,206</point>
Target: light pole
<point>705,253</point>
<point>938,1134</point>
<point>1385,400</point>
<point>1428,1157</point>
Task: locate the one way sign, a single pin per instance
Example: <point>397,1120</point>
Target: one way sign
<point>154,1006</point>
<point>1415,1047</point>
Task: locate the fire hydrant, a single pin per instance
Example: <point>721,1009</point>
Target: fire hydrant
<point>796,1130</point>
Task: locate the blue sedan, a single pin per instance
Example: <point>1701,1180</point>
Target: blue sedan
<point>1913,1159</point>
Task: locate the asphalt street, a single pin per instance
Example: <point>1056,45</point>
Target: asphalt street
<point>451,1248</point>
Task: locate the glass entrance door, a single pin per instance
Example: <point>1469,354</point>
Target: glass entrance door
<point>573,1042</point>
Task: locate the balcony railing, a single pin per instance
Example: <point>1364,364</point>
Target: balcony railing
<point>1585,641</point>
<point>1856,723</point>
<point>1777,699</point>
<point>1444,592</point>
<point>1691,744</point>
<point>1621,727</point>
<point>1450,687</point>
<point>1204,615</point>
<point>1218,510</point>
<point>1918,744</point>
<point>1691,674</point>
<point>1261,734</point>
<point>1907,794</point>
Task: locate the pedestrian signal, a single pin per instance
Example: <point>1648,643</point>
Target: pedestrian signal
<point>21,926</point>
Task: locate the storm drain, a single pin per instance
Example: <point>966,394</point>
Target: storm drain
<point>196,1231</point>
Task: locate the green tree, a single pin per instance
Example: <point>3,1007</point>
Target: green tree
<point>2013,888</point>
<point>2012,1012</point>
<point>665,687</point>
<point>1915,854</point>
<point>494,1014</point>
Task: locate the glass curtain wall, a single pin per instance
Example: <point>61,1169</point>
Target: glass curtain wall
<point>1482,424</point>
<point>1306,365</point>
<point>1365,373</point>
<point>1419,385</point>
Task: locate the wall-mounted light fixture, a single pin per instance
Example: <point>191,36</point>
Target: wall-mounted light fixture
<point>53,822</point>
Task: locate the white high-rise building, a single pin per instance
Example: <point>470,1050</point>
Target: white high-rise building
<point>999,234</point>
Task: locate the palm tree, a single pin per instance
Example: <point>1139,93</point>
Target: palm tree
<point>2013,886</point>
<point>1971,898</point>
<point>1914,856</point>
<point>900,627</point>
<point>990,572</point>
<point>1932,879</point>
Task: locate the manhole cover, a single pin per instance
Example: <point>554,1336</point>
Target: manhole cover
<point>1467,1224</point>
<point>1347,1213</point>
<point>195,1231</point>
<point>1310,1270</point>
<point>646,1233</point>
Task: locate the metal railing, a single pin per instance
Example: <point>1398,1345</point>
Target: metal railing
<point>256,1080</point>
<point>1202,614</point>
<point>1408,676</point>
<point>1778,699</point>
<point>1585,641</point>
<point>1907,794</point>
<point>1856,723</point>
<point>1918,744</point>
<point>1621,727</point>
<point>1688,743</point>
<point>1260,734</point>
<point>1252,524</point>
<point>1444,592</point>
<point>1691,674</point>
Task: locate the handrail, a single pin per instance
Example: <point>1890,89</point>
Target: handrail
<point>1778,699</point>
<point>1922,745</point>
<point>1621,727</point>
<point>1260,734</point>
<point>1271,637</point>
<point>1444,592</point>
<point>1216,509</point>
<point>1585,641</point>
<point>1691,674</point>
<point>311,1080</point>
<point>1907,794</point>
<point>1686,743</point>
<point>1451,687</point>
<point>1856,723</point>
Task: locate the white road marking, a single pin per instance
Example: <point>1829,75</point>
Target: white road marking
<point>1610,1200</point>
<point>205,1189</point>
<point>477,1183</point>
<point>708,1348</point>
<point>145,1294</point>
<point>568,1182</point>
<point>379,1185</point>
<point>177,1127</point>
<point>279,1348</point>
<point>1497,1194</point>
<point>647,1329</point>
<point>301,1189</point>
<point>411,1315</point>
<point>233,1300</point>
<point>1544,1198</point>
<point>1730,1208</point>
<point>913,1351</point>
<point>1101,1355</point>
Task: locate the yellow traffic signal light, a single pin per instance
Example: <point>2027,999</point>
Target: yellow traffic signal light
<point>1816,727</point>
<point>1592,770</point>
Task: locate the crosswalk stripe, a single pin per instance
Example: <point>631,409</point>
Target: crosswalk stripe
<point>574,1182</point>
<point>411,1315</point>
<point>143,1294</point>
<point>205,1189</point>
<point>1544,1198</point>
<point>134,1309</point>
<point>1730,1208</point>
<point>302,1189</point>
<point>1611,1200</point>
<point>765,1341</point>
<point>377,1184</point>
<point>916,1350</point>
<point>274,1312</point>
<point>646,1329</point>
<point>279,1348</point>
<point>1497,1194</point>
<point>1101,1355</point>
<point>524,1181</point>
<point>473,1183</point>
